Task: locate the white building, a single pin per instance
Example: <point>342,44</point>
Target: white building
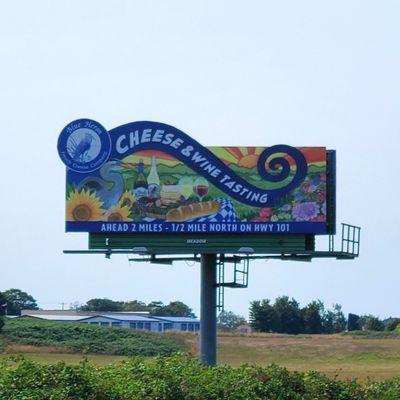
<point>181,323</point>
<point>132,320</point>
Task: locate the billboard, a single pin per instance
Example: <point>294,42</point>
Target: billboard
<point>149,177</point>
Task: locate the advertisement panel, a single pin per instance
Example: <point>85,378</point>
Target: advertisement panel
<point>149,177</point>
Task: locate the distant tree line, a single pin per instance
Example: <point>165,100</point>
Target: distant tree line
<point>173,309</point>
<point>371,323</point>
<point>12,301</point>
<point>228,321</point>
<point>285,315</point>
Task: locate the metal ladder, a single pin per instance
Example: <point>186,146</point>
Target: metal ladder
<point>351,239</point>
<point>350,245</point>
<point>240,277</point>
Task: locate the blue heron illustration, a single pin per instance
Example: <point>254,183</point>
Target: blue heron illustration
<point>79,150</point>
<point>109,186</point>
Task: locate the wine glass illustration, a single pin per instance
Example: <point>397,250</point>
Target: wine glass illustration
<point>200,187</point>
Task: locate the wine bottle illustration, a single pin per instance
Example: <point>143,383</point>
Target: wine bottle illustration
<point>140,187</point>
<point>186,186</point>
<point>153,180</point>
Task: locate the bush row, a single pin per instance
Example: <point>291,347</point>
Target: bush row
<point>78,337</point>
<point>178,377</point>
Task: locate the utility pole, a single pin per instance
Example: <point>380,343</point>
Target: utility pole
<point>208,311</point>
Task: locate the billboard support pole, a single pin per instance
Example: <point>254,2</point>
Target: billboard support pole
<point>208,311</point>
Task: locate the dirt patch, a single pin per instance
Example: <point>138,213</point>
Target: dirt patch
<point>26,348</point>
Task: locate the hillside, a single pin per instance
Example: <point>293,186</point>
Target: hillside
<point>82,338</point>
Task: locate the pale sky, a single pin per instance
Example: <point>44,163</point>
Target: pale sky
<point>253,73</point>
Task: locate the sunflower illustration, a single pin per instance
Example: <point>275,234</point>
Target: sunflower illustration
<point>117,214</point>
<point>127,199</point>
<point>84,206</point>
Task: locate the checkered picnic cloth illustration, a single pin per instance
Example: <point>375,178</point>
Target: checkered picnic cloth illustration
<point>225,214</point>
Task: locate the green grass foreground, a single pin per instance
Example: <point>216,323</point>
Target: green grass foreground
<point>177,377</point>
<point>83,338</point>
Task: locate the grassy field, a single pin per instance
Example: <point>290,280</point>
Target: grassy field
<point>343,356</point>
<point>334,355</point>
<point>52,357</point>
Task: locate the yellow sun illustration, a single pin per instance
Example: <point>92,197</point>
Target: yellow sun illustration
<point>117,214</point>
<point>127,199</point>
<point>84,206</point>
<point>246,157</point>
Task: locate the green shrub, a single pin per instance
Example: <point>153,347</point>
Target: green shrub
<point>1,323</point>
<point>392,324</point>
<point>84,338</point>
<point>178,378</point>
<point>372,323</point>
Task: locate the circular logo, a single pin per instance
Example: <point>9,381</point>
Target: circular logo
<point>84,145</point>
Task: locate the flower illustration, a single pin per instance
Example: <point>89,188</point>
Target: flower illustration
<point>316,181</point>
<point>286,207</point>
<point>320,218</point>
<point>265,212</point>
<point>305,211</point>
<point>84,206</point>
<point>299,196</point>
<point>284,216</point>
<point>274,218</point>
<point>311,189</point>
<point>308,186</point>
<point>127,199</point>
<point>321,196</point>
<point>323,208</point>
<point>117,214</point>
